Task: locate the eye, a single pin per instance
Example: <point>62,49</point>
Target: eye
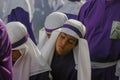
<point>71,41</point>
<point>62,36</point>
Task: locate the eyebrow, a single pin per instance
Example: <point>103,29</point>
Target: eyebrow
<point>72,38</point>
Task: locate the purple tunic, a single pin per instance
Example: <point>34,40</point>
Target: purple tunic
<point>5,54</point>
<point>98,16</point>
<point>63,67</point>
<point>18,14</point>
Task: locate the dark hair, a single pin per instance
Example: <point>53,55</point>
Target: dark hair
<point>76,42</point>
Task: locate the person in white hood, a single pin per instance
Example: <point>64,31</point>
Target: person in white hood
<point>53,21</point>
<point>28,64</point>
<point>67,52</point>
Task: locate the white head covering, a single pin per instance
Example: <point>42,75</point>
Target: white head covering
<point>53,21</point>
<point>81,51</point>
<point>27,5</point>
<point>31,62</point>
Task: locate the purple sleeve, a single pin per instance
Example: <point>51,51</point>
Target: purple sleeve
<point>5,54</point>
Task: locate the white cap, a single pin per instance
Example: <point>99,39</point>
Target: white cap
<point>76,28</point>
<point>55,20</point>
<point>16,31</point>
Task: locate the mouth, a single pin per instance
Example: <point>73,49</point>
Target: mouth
<point>60,47</point>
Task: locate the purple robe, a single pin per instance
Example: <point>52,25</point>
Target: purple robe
<point>98,17</point>
<point>19,14</point>
<point>5,54</point>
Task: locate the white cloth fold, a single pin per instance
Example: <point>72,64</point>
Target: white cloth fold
<point>42,38</point>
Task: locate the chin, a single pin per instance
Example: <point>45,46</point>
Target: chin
<point>60,53</point>
<point>63,53</point>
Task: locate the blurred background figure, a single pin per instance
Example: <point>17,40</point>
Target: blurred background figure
<point>42,9</point>
<point>2,10</point>
<point>22,11</point>
<point>56,4</point>
<point>71,8</point>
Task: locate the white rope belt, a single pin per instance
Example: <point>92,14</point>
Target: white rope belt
<point>118,69</point>
<point>96,65</point>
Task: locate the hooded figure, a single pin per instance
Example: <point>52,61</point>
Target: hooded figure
<point>67,52</point>
<point>29,65</point>
<point>5,54</point>
<point>101,18</point>
<point>53,21</point>
<point>22,11</point>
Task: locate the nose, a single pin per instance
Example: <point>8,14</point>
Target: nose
<point>64,42</point>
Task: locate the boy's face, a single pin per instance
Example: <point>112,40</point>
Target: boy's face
<point>65,43</point>
<point>15,55</point>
